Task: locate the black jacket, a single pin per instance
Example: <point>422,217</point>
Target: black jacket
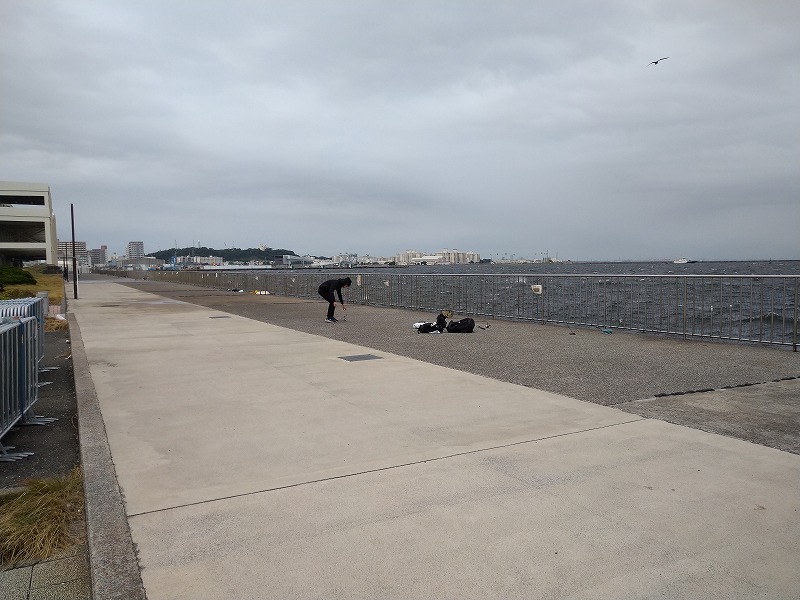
<point>327,288</point>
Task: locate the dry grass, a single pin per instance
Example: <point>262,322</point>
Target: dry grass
<point>39,521</point>
<point>53,324</point>
<point>53,283</point>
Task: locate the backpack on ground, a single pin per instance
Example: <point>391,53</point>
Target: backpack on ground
<point>438,327</point>
<point>466,325</point>
<point>428,328</point>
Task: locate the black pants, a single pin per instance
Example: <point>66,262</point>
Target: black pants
<point>328,295</point>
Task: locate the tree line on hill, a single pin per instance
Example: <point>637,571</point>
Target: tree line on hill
<point>228,254</point>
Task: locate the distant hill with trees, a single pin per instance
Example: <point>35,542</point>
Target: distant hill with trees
<point>228,254</point>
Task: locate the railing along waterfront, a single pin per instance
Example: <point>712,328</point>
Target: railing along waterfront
<point>743,308</point>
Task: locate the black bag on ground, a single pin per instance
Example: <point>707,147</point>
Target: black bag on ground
<point>466,325</point>
<point>440,325</point>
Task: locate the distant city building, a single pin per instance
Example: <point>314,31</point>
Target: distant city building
<point>289,260</point>
<point>27,223</point>
<point>346,259</point>
<point>99,256</point>
<point>408,257</point>
<point>65,252</point>
<point>135,250</point>
<point>445,257</point>
<point>143,263</point>
<point>200,260</point>
<point>373,260</point>
<point>454,257</point>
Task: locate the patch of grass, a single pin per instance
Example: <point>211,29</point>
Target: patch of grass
<point>53,324</point>
<point>14,292</point>
<point>15,275</point>
<point>38,280</point>
<point>38,521</point>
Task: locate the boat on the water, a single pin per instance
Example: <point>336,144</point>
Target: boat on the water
<point>683,261</point>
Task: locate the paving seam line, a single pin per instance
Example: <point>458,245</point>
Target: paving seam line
<point>379,469</point>
<point>719,389</point>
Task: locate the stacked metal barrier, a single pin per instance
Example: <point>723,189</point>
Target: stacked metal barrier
<point>21,352</point>
<point>28,307</point>
<point>19,378</point>
<point>10,409</point>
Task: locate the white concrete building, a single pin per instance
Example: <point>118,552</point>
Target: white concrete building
<point>143,263</point>
<point>65,252</point>
<point>27,223</point>
<point>368,259</point>
<point>200,260</point>
<point>452,257</point>
<point>407,257</point>
<point>346,259</point>
<point>135,250</point>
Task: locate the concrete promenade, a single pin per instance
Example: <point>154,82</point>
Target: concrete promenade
<point>247,449</point>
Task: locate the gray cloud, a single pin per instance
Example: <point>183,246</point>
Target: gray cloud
<point>376,127</point>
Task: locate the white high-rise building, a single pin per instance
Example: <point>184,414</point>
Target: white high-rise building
<point>454,257</point>
<point>65,252</point>
<point>408,257</point>
<point>135,250</point>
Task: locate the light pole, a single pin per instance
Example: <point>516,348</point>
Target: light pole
<point>74,257</point>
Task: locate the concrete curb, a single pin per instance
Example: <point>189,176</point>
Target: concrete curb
<point>112,557</point>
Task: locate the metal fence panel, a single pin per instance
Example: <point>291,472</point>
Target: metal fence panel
<point>29,357</point>
<point>19,369</point>
<point>10,407</point>
<point>742,308</point>
<point>27,307</point>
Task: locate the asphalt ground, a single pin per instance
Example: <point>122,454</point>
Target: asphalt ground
<point>746,391</point>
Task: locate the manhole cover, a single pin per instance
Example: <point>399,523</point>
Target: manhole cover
<point>357,357</point>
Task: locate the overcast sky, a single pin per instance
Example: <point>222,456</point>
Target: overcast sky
<point>375,127</point>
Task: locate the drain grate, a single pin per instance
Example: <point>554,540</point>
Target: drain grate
<point>358,357</point>
<point>220,317</point>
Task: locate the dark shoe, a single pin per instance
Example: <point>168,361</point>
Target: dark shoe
<point>330,320</point>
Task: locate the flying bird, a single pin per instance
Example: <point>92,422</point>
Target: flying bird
<point>655,62</point>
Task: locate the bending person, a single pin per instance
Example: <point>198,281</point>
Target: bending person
<point>327,291</point>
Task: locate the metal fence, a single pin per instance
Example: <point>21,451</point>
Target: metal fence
<point>741,308</point>
<point>28,307</point>
<point>19,378</point>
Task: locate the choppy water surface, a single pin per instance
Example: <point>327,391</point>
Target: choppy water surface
<point>754,301</point>
<point>774,267</point>
<point>742,300</point>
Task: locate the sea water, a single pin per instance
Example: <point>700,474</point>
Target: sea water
<point>749,267</point>
<point>745,300</point>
